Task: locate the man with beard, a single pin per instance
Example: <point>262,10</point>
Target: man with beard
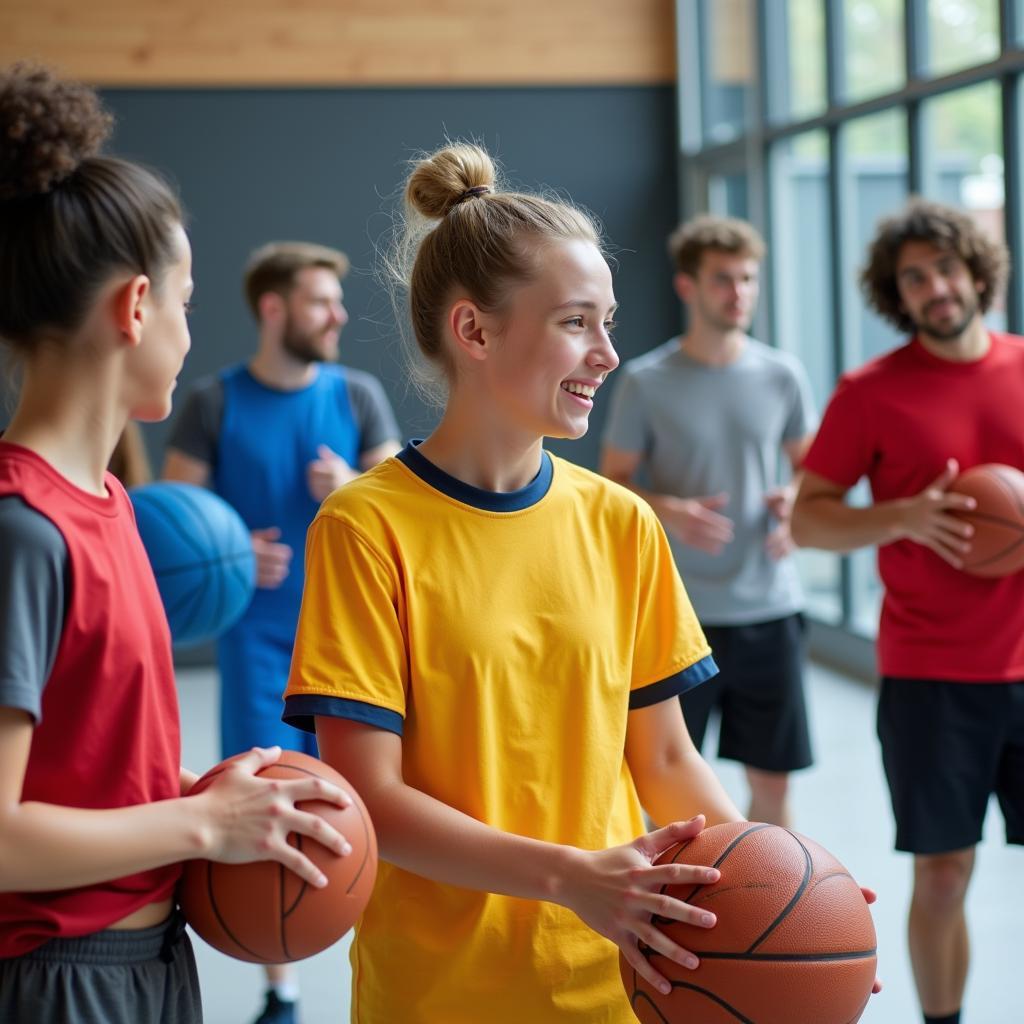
<point>274,437</point>
<point>707,421</point>
<point>950,646</point>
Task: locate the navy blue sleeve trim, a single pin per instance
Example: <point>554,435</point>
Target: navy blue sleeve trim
<point>301,709</point>
<point>674,685</point>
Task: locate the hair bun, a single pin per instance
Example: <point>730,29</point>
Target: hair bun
<point>441,181</point>
<point>48,126</point>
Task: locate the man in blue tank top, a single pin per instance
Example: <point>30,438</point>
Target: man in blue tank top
<point>274,437</point>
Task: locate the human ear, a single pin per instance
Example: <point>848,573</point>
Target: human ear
<point>129,310</point>
<point>271,307</point>
<point>468,327</point>
<point>684,286</point>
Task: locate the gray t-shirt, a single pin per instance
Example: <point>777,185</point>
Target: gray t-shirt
<point>196,430</point>
<point>35,587</point>
<point>703,430</point>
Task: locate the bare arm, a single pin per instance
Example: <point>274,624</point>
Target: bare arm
<point>238,818</point>
<point>779,500</point>
<point>796,450</point>
<point>185,469</point>
<point>673,781</point>
<point>694,520</point>
<point>613,891</point>
<point>326,473</point>
<point>822,519</point>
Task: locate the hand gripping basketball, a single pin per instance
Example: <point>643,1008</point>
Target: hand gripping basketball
<point>997,540</point>
<point>263,912</point>
<point>793,944</point>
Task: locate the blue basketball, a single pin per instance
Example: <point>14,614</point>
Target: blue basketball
<point>201,555</point>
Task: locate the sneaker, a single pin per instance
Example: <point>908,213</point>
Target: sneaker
<point>278,1011</point>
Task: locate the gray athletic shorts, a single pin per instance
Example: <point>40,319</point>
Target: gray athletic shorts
<point>143,976</point>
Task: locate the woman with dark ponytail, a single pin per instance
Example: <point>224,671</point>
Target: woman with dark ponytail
<point>95,268</point>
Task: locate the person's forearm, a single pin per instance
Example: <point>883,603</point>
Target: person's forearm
<point>186,779</point>
<point>47,847</point>
<point>427,837</point>
<point>831,524</point>
<point>683,785</point>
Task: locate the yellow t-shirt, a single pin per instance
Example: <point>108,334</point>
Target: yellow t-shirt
<point>505,637</point>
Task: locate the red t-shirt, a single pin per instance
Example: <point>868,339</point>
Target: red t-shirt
<point>896,421</point>
<point>108,735</point>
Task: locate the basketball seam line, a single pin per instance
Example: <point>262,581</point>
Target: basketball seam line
<point>808,874</point>
<point>693,988</point>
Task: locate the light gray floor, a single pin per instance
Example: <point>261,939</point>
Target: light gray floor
<point>842,803</point>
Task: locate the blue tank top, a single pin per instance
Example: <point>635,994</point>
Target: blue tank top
<point>267,440</point>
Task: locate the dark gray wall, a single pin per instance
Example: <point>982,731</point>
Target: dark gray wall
<point>325,165</point>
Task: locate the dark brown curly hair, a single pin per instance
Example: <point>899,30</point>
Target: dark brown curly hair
<point>943,226</point>
<point>69,218</point>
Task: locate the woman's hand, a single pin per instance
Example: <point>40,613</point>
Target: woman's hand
<point>618,893</point>
<point>250,818</point>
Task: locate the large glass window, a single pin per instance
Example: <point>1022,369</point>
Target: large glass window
<point>728,67</point>
<point>727,195</point>
<point>873,47</point>
<point>961,33</point>
<point>797,54</point>
<point>963,162</point>
<point>919,92</point>
<point>875,183</point>
<point>800,247</point>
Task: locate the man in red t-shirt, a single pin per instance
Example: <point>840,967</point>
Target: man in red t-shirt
<point>950,646</point>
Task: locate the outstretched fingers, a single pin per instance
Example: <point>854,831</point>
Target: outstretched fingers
<point>655,843</point>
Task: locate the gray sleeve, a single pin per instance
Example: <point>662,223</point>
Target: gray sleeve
<point>371,409</point>
<point>35,585</point>
<point>627,428</point>
<point>803,417</point>
<point>196,429</point>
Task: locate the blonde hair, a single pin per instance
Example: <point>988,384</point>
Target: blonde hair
<point>462,232</point>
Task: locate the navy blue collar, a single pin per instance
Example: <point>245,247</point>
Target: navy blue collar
<point>489,501</point>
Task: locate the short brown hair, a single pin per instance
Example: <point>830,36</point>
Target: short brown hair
<point>943,226</point>
<point>688,243</point>
<point>272,267</point>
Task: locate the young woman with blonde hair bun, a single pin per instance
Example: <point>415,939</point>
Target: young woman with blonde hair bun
<point>492,641</point>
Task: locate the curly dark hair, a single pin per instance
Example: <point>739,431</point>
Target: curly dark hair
<point>707,233</point>
<point>943,226</point>
<point>69,218</point>
<point>47,128</point>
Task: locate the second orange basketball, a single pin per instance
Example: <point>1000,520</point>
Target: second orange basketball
<point>794,942</point>
<point>997,544</point>
<point>262,912</point>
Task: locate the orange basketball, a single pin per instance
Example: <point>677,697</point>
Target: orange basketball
<point>264,913</point>
<point>794,942</point>
<point>997,546</point>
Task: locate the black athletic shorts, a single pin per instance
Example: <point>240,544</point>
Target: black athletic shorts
<point>947,747</point>
<point>759,691</point>
<point>117,976</point>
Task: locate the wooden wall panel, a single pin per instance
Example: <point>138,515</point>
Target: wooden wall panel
<point>345,42</point>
